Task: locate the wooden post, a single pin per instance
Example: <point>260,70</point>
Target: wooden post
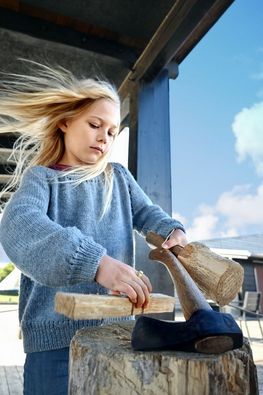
<point>103,363</point>
<point>150,161</point>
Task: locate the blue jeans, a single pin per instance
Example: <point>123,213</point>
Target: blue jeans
<point>46,372</point>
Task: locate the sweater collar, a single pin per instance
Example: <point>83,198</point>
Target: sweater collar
<point>60,166</point>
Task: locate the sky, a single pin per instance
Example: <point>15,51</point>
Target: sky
<point>216,110</point>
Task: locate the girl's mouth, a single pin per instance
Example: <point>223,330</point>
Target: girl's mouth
<point>98,149</point>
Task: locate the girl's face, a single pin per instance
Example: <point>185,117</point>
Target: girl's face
<point>89,135</point>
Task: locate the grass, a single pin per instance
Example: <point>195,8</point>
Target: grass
<point>8,299</point>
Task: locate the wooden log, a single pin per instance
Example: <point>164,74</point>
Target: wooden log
<point>103,363</point>
<point>90,306</point>
<point>218,278</point>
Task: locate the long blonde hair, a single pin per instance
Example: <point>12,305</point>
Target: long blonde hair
<point>31,107</point>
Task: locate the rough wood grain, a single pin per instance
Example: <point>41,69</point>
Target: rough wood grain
<point>103,363</point>
<point>82,306</point>
<point>219,278</point>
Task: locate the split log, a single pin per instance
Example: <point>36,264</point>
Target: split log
<point>102,362</point>
<point>90,306</point>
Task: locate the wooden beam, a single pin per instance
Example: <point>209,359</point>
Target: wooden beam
<point>5,178</point>
<point>180,31</point>
<point>7,140</point>
<point>200,22</point>
<point>179,11</point>
<point>64,20</point>
<point>153,165</point>
<point>4,155</point>
<point>86,307</point>
<point>66,31</point>
<point>7,168</point>
<point>133,131</point>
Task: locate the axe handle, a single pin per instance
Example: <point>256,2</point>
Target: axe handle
<point>190,296</point>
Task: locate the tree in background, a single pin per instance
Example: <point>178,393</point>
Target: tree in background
<point>6,270</point>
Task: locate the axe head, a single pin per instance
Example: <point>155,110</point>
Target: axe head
<point>206,331</point>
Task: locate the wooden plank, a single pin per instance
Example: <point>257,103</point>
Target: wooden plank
<point>67,31</point>
<point>80,306</point>
<point>4,155</point>
<point>4,178</point>
<point>46,13</point>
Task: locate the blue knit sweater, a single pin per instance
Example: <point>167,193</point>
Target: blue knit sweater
<point>53,233</point>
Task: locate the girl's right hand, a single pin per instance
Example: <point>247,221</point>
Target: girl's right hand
<point>121,278</point>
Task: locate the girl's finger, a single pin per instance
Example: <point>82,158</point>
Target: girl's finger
<point>141,296</point>
<point>146,286</point>
<point>146,281</point>
<point>142,292</point>
<point>114,292</point>
<point>128,290</point>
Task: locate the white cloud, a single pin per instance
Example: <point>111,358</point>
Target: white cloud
<point>203,226</point>
<point>248,130</point>
<point>241,207</point>
<point>239,210</point>
<point>233,213</point>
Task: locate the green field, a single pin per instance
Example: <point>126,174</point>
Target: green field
<point>9,299</point>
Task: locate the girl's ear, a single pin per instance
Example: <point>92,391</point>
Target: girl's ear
<point>62,125</point>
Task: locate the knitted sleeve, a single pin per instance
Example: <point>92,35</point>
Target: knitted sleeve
<point>42,249</point>
<point>146,215</point>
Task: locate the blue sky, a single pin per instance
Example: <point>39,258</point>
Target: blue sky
<point>216,108</point>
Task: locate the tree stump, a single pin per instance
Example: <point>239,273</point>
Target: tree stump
<point>102,362</point>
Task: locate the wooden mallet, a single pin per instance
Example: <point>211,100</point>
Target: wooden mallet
<point>204,330</point>
<point>219,278</point>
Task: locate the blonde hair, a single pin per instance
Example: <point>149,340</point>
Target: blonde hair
<point>31,106</point>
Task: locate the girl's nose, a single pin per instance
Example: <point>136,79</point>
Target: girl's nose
<point>102,136</point>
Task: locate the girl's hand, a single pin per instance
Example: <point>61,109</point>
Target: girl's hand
<point>176,237</point>
<point>121,278</point>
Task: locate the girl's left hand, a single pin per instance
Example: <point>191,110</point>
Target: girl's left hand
<point>177,237</point>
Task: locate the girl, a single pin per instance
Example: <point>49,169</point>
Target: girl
<point>69,225</point>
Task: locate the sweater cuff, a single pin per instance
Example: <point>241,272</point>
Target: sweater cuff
<point>85,262</point>
<point>165,228</point>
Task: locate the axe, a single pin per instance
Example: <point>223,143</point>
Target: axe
<point>204,330</point>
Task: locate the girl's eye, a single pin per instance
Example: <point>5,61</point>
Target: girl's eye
<point>110,133</point>
<point>93,125</point>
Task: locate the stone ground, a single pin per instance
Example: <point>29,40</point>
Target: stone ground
<point>12,356</point>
